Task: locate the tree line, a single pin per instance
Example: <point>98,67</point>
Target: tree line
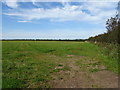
<point>44,39</point>
<point>113,30</point>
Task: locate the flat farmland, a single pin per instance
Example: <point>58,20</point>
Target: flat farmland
<point>57,64</point>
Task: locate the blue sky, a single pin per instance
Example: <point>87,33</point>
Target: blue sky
<point>55,20</point>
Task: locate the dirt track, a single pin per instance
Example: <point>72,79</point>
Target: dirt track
<point>79,77</point>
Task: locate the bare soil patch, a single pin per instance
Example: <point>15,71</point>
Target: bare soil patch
<point>81,78</point>
<point>105,79</point>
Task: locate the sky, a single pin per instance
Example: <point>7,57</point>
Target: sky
<point>55,20</point>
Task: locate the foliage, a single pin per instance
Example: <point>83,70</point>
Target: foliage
<point>113,31</point>
<point>110,41</point>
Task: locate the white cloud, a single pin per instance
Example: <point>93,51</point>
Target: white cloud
<point>12,4</point>
<point>24,21</point>
<point>98,12</point>
<point>65,0</point>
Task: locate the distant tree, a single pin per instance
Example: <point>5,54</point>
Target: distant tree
<point>118,22</point>
<point>111,24</point>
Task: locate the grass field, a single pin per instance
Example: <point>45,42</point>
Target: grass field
<point>36,64</point>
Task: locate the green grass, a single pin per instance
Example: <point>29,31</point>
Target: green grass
<point>31,63</point>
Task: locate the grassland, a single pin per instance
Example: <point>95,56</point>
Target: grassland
<point>35,64</point>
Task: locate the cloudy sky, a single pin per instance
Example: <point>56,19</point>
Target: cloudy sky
<point>54,20</point>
